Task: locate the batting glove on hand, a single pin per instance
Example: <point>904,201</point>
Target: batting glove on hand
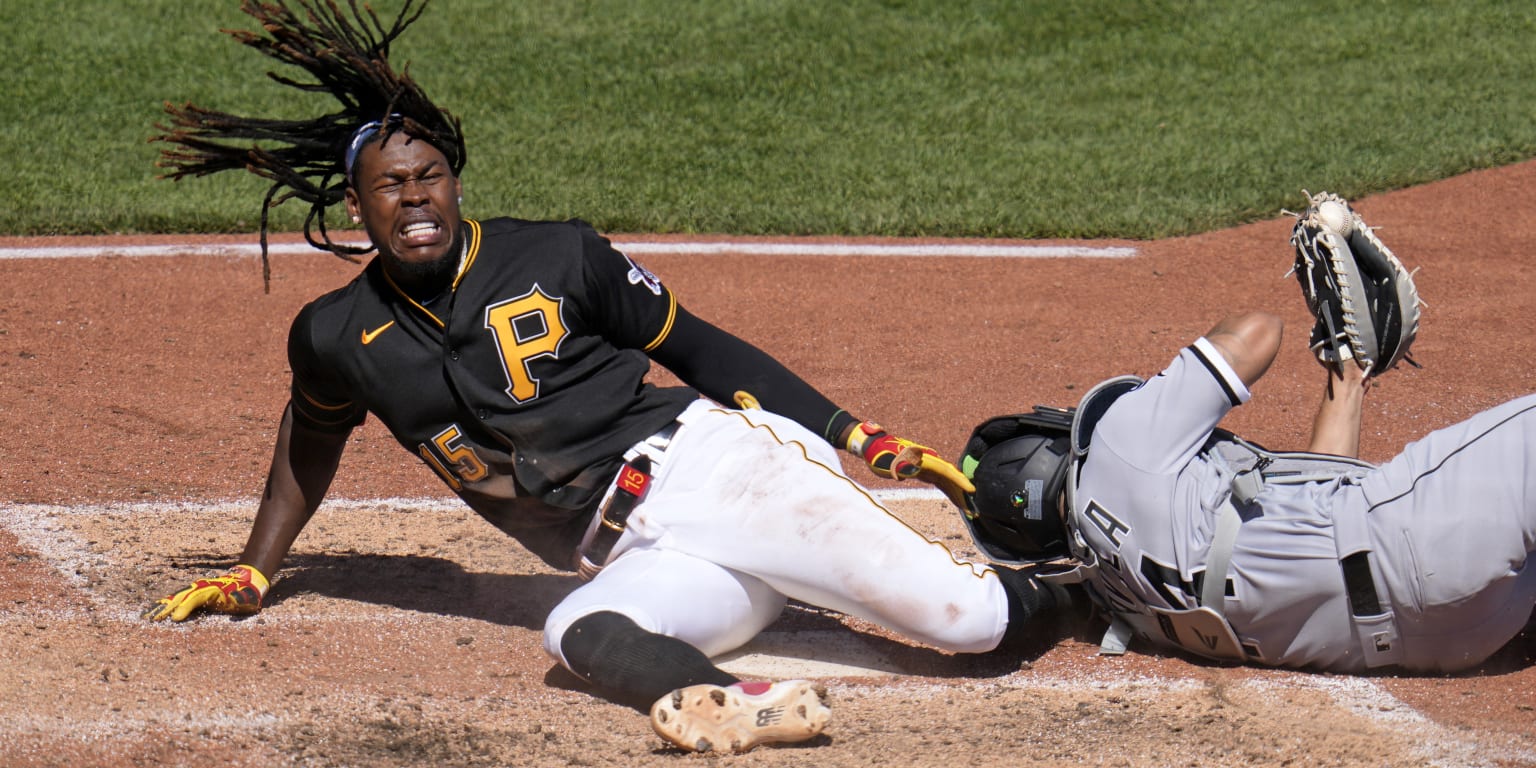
<point>239,591</point>
<point>900,459</point>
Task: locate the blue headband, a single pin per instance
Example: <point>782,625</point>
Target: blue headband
<point>363,135</point>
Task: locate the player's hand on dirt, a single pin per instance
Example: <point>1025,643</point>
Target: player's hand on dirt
<point>900,459</point>
<point>239,591</point>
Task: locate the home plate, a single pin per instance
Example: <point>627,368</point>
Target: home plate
<point>793,655</point>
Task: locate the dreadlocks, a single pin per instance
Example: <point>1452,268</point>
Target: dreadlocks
<point>347,53</point>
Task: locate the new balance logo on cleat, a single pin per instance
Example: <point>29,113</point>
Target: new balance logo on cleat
<point>767,717</point>
<point>738,717</point>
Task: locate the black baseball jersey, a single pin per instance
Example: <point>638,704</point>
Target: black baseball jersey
<point>521,386</point>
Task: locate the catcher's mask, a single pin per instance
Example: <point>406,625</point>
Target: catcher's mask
<point>1019,465</point>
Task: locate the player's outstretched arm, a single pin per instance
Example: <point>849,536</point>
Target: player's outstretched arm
<point>719,365</point>
<point>303,464</point>
<point>1336,427</point>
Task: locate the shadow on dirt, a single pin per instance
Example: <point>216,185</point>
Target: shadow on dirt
<point>432,585</point>
<point>827,637</point>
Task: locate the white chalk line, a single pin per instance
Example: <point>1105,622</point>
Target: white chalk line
<point>43,528</point>
<point>632,247</point>
<point>1435,744</point>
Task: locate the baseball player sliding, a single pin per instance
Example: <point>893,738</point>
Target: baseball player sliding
<point>1187,536</point>
<point>510,356</point>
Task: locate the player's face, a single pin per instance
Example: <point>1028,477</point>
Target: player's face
<point>407,197</point>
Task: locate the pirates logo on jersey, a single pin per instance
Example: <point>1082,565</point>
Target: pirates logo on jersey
<point>639,275</point>
<point>527,328</point>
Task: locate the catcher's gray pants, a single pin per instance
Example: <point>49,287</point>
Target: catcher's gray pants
<point>1452,520</point>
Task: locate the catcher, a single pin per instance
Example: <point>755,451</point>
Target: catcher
<point>1186,536</point>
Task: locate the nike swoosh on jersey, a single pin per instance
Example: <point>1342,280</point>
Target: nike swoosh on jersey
<point>369,336</point>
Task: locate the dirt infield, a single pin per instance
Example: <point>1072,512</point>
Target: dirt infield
<point>142,393</point>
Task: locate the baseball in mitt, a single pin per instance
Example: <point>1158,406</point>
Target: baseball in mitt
<point>1364,300</point>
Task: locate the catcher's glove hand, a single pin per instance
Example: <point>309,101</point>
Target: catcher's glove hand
<point>1366,305</point>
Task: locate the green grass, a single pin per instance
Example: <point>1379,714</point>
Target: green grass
<point>1097,118</point>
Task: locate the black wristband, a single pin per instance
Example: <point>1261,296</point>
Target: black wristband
<point>836,426</point>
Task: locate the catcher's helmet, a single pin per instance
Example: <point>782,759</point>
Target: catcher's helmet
<point>1019,465</point>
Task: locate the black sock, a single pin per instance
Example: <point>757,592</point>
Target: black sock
<point>1028,597</point>
<point>631,664</point>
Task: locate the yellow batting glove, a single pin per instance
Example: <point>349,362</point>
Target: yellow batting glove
<point>239,591</point>
<point>900,459</point>
<point>946,477</point>
<point>886,454</point>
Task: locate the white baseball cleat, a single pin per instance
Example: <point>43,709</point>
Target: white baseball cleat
<point>740,716</point>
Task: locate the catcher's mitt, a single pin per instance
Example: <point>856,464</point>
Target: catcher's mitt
<point>1366,305</point>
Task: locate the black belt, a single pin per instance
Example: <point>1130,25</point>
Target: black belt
<point>1359,585</point>
<point>629,486</point>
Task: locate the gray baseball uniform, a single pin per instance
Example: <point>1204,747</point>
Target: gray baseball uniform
<point>1336,565</point>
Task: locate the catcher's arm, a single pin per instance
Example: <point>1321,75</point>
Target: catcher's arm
<point>304,462</point>
<point>1336,427</point>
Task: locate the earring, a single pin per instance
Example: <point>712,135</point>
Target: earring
<point>357,219</point>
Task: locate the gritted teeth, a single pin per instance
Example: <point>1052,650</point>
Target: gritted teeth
<point>419,228</point>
